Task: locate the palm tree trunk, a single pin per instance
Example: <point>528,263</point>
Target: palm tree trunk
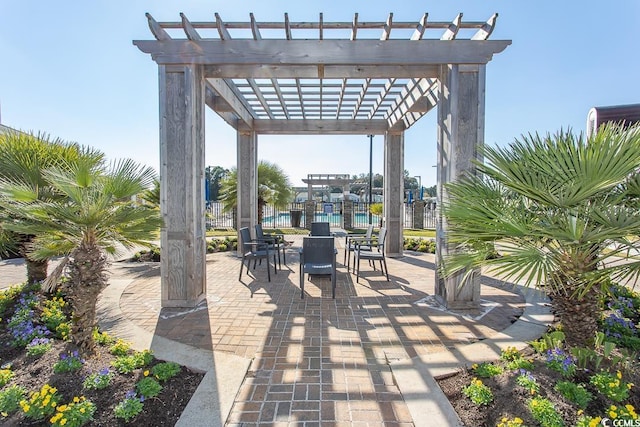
<point>261,204</point>
<point>578,316</point>
<point>36,270</point>
<point>87,274</point>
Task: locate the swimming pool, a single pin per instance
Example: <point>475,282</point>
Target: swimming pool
<point>283,219</point>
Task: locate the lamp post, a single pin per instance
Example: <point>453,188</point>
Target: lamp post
<point>419,185</point>
<point>370,176</point>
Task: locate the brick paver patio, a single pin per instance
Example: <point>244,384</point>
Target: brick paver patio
<point>317,361</point>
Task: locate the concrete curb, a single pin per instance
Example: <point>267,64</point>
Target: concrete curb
<point>415,378</point>
<point>211,403</point>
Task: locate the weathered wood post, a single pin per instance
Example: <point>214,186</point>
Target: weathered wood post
<point>460,136</point>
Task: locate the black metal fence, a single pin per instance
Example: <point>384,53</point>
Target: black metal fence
<point>326,212</point>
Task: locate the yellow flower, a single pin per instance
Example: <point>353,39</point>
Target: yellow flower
<point>619,374</point>
<point>474,366</point>
<point>82,410</point>
<point>63,421</point>
<point>62,408</point>
<point>25,407</point>
<point>76,400</point>
<point>146,373</point>
<point>613,414</point>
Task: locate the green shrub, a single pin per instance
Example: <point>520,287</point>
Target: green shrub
<point>612,386</point>
<point>130,407</point>
<point>103,338</point>
<point>5,376</point>
<point>575,393</point>
<point>164,371</point>
<point>526,380</point>
<point>148,387</point>
<point>543,411</point>
<point>486,370</point>
<point>120,348</point>
<point>68,363</point>
<point>479,393</point>
<point>10,398</point>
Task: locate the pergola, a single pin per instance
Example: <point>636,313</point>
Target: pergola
<point>326,78</point>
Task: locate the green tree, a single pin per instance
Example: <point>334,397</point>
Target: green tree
<point>93,218</point>
<point>23,157</point>
<point>214,175</point>
<point>151,196</point>
<point>556,208</point>
<point>273,188</point>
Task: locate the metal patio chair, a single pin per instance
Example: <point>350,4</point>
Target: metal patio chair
<point>320,229</point>
<point>350,244</point>
<point>275,240</point>
<point>318,257</point>
<point>255,250</point>
<point>373,254</point>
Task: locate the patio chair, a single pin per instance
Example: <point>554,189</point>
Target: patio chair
<point>350,244</point>
<point>318,257</point>
<point>320,229</point>
<point>275,240</point>
<point>373,254</point>
<point>254,250</point>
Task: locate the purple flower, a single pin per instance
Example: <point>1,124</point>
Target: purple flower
<point>130,394</point>
<point>104,371</point>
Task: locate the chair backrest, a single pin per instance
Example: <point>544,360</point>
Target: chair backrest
<point>381,237</point>
<point>320,229</point>
<point>318,250</point>
<point>245,235</point>
<point>369,232</point>
<point>259,232</point>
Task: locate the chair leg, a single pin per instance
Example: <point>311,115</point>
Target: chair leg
<point>386,270</point>
<point>301,282</point>
<point>274,262</point>
<point>268,269</point>
<point>241,265</point>
<point>284,254</point>
<point>333,283</point>
<point>357,260</point>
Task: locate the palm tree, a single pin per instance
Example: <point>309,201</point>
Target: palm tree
<point>557,208</point>
<point>23,157</point>
<point>214,175</point>
<point>273,188</point>
<point>95,215</point>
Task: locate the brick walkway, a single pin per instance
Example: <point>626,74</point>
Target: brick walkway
<point>316,361</point>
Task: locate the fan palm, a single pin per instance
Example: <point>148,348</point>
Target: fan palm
<point>23,157</point>
<point>94,217</point>
<point>273,188</point>
<point>557,208</point>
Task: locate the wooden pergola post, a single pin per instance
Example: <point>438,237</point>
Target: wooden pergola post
<point>460,135</point>
<point>182,238</point>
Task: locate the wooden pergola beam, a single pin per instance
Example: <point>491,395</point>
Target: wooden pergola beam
<point>252,53</point>
<point>320,126</point>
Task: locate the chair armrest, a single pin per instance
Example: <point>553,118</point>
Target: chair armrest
<point>257,244</point>
<point>266,240</point>
<point>279,237</point>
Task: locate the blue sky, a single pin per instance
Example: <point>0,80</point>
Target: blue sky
<point>69,69</point>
